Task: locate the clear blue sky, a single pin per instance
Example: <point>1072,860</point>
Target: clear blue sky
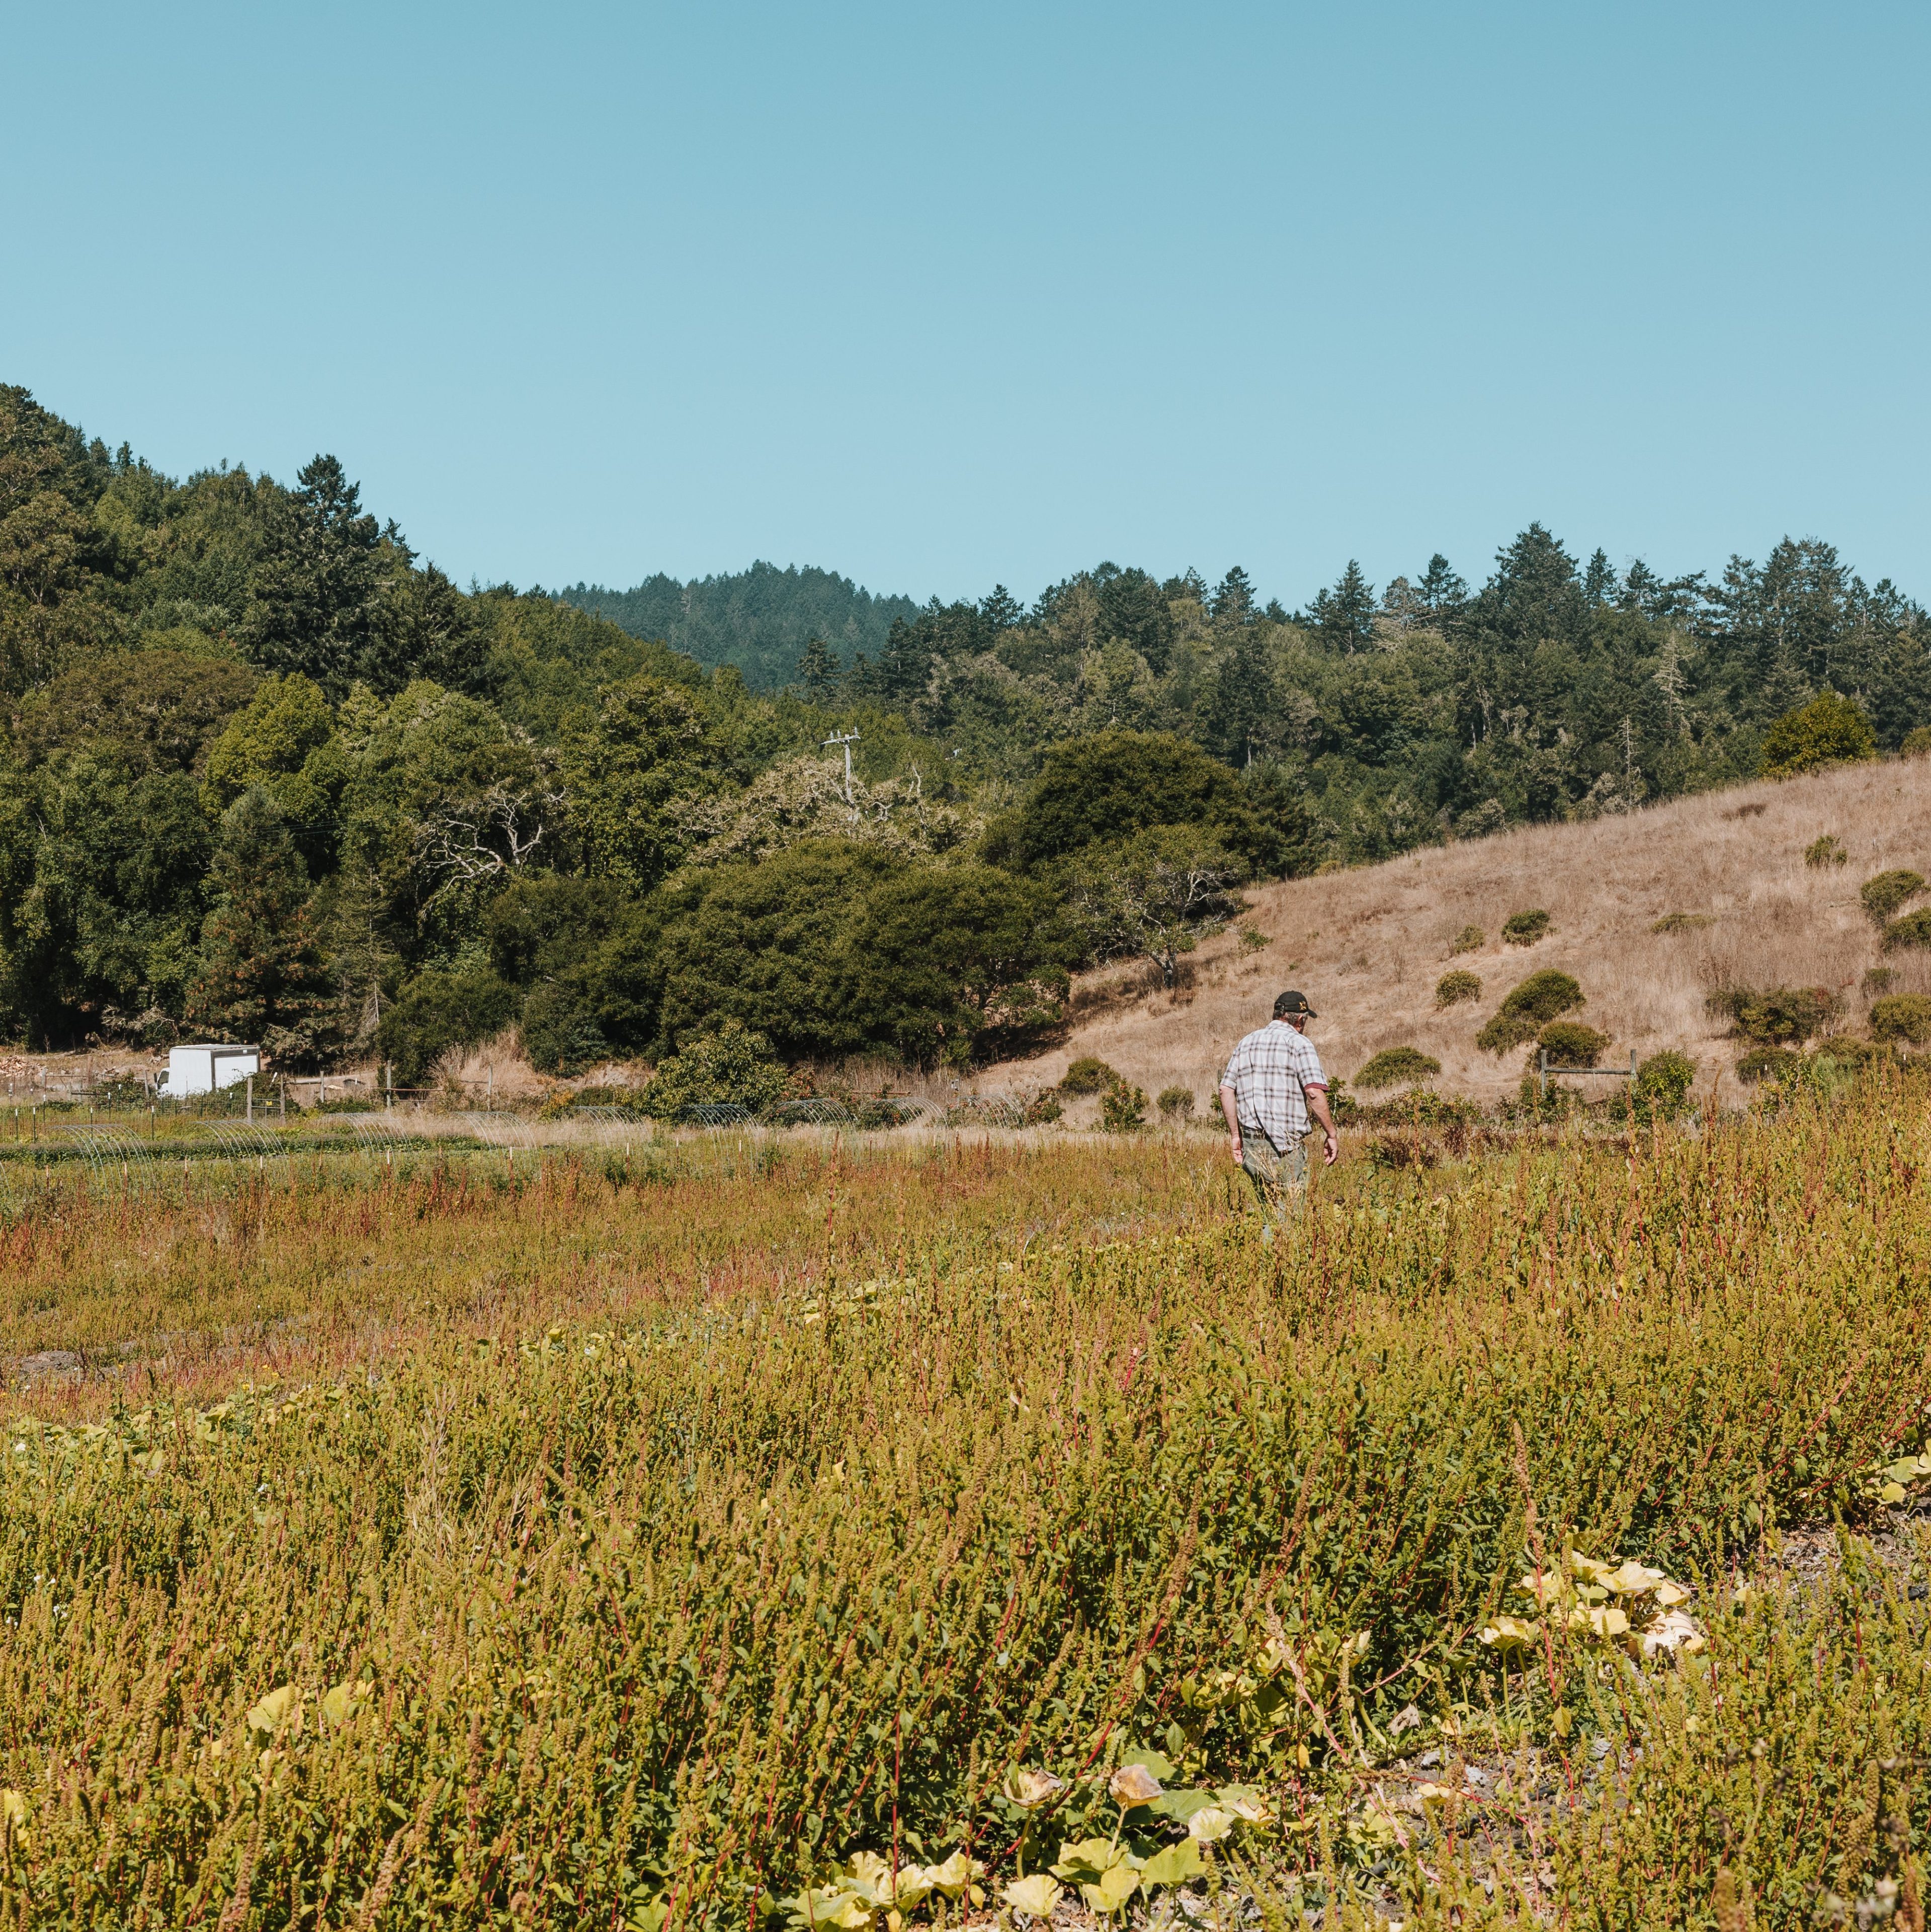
<point>940,296</point>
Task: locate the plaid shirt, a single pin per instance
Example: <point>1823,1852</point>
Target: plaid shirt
<point>1267,1071</point>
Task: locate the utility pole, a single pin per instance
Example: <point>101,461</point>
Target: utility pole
<point>847,739</point>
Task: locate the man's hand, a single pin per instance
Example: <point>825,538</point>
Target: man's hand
<point>1330,1149</point>
<point>1234,1148</point>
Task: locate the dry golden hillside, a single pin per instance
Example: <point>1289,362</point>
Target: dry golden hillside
<point>1368,946</point>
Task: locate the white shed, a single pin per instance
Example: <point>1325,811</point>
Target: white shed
<point>202,1068</point>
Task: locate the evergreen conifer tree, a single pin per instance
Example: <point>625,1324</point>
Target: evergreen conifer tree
<point>263,980</point>
<point>1442,593</point>
<point>1240,718</point>
<point>818,669</point>
<point>1002,610</point>
<point>316,595</point>
<point>1344,616</point>
<point>1233,600</point>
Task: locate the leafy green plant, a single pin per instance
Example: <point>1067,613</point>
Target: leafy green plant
<point>1825,851</point>
<point>733,1066</point>
<point>1663,1084</point>
<point>1917,743</point>
<point>1253,939</point>
<point>1829,730</point>
<point>1088,1075</point>
<point>1470,939</point>
<point>1885,895</point>
<point>1043,1111</point>
<point>1571,1043</point>
<point>1683,922</point>
<point>1457,988</point>
<point>1176,1103</point>
<point>1524,928</point>
<point>1397,1066</point>
<point>1122,1109</point>
<point>865,1887</point>
<point>1627,1605</point>
<point>1902,1016</point>
<point>1529,1006</point>
<point>1879,979</point>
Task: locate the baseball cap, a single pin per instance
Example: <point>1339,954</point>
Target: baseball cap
<point>1294,1006</point>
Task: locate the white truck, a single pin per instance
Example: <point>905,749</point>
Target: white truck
<point>203,1067</point>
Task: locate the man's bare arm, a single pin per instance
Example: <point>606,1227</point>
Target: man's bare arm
<point>1317,1104</point>
<point>1229,1104</point>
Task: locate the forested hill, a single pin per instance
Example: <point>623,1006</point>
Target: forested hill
<point>758,620</point>
<point>267,774</point>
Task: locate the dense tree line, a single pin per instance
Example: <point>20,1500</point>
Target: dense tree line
<point>1426,710</point>
<point>270,775</point>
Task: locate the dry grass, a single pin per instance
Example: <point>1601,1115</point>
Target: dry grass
<point>1367,946</point>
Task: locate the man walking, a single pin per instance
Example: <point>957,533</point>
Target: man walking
<point>1272,1083</point>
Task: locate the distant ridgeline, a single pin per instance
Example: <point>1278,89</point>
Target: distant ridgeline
<point>759,619</point>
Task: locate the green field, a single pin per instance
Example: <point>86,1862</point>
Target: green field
<point>705,1532</point>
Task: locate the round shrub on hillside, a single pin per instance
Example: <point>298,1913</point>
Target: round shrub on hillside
<point>1524,928</point>
<point>1845,1050</point>
<point>1828,730</point>
<point>1122,1109</point>
<point>1541,997</point>
<point>1397,1066</point>
<point>1088,1074</point>
<point>1913,929</point>
<point>1457,988</point>
<point>1176,1103</point>
<point>1683,922</point>
<point>1886,895</point>
<point>1917,741</point>
<point>1768,1063</point>
<point>1570,1043</point>
<point>1905,1016</point>
<point>1779,1016</point>
<point>1662,1085</point>
<point>1470,939</point>
<point>1823,851</point>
